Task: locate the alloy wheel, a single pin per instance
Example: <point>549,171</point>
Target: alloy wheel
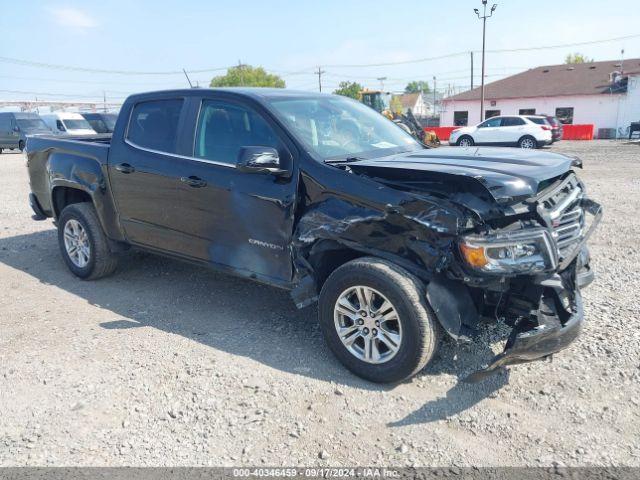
<point>76,243</point>
<point>367,324</point>
<point>527,143</point>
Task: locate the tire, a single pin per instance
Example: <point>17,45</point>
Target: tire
<point>21,145</point>
<point>465,141</point>
<point>528,142</point>
<point>417,324</point>
<point>100,261</point>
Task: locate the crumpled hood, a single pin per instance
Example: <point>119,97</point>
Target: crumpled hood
<point>507,173</point>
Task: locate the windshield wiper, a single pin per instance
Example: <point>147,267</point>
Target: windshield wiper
<point>344,160</point>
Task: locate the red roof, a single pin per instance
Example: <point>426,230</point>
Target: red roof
<point>591,78</point>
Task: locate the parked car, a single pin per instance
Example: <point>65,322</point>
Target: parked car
<point>321,195</point>
<point>15,126</point>
<point>68,123</point>
<point>556,126</point>
<point>101,122</point>
<point>506,131</point>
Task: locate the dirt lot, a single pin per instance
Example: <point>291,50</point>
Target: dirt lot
<point>169,364</point>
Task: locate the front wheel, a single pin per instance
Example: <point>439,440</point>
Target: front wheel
<point>375,318</point>
<point>465,141</point>
<point>21,145</point>
<point>83,243</point>
<point>527,142</point>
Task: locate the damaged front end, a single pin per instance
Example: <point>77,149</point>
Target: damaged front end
<point>528,274</point>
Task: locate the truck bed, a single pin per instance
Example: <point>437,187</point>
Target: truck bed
<point>51,156</point>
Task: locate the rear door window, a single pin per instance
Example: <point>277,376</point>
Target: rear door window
<point>154,125</point>
<point>512,122</point>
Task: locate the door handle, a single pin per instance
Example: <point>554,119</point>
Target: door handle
<point>193,181</point>
<point>125,168</point>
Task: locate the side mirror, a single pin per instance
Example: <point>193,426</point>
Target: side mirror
<point>259,160</point>
<point>16,128</point>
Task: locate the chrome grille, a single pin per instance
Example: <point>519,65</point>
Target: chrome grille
<point>566,214</point>
<point>568,228</point>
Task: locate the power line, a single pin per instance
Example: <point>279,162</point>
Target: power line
<point>565,45</point>
<point>503,50</point>
<point>29,63</point>
<point>69,95</point>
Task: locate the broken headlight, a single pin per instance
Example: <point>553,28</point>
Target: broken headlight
<point>521,251</point>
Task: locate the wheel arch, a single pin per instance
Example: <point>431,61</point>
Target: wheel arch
<point>327,256</point>
<point>65,195</point>
<point>536,143</point>
<point>465,135</point>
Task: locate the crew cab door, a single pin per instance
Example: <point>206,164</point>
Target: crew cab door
<point>144,173</point>
<point>240,220</point>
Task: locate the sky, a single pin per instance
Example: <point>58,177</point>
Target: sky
<point>147,40</point>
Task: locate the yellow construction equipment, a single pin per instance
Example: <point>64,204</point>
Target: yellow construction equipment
<point>381,102</point>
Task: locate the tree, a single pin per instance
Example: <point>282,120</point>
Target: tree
<point>247,76</point>
<point>417,86</point>
<point>577,58</point>
<point>395,105</point>
<point>349,89</point>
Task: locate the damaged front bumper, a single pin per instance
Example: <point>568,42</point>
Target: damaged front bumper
<point>528,343</point>
<point>545,309</point>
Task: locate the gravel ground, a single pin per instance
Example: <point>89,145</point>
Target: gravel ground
<point>169,364</point>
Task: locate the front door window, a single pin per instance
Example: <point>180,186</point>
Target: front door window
<point>224,128</point>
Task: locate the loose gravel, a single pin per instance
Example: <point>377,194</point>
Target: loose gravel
<point>165,363</point>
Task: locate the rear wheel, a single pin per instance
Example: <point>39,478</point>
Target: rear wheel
<point>83,244</point>
<point>465,141</point>
<point>375,318</point>
<point>527,142</point>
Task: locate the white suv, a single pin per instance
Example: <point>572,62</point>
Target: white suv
<point>512,130</point>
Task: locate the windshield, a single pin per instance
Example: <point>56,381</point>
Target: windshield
<point>32,125</point>
<point>76,124</point>
<point>335,127</point>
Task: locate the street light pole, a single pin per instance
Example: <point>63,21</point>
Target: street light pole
<point>484,31</point>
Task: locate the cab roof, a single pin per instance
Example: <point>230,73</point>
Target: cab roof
<point>257,93</point>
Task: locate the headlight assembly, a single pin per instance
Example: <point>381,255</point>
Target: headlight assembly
<point>523,251</point>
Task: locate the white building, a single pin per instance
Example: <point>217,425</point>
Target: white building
<point>418,103</point>
<point>605,94</point>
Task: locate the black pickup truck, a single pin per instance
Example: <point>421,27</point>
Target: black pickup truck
<point>321,195</point>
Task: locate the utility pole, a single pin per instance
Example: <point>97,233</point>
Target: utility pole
<point>104,101</point>
<point>319,72</point>
<point>471,53</point>
<point>381,80</point>
<point>484,17</point>
<point>434,95</point>
<point>241,71</point>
